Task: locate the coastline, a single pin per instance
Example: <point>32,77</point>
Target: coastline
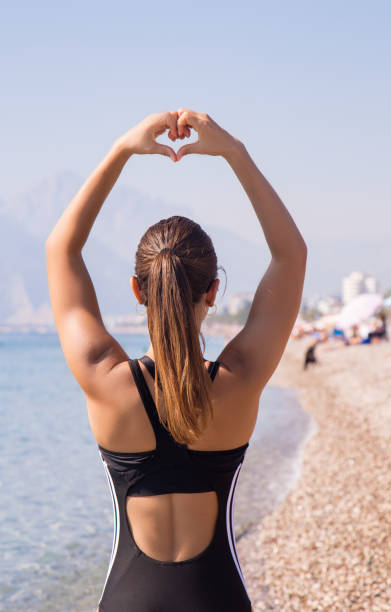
<point>222,330</point>
<point>327,547</point>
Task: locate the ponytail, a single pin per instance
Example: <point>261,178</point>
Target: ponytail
<point>178,359</point>
<point>172,280</point>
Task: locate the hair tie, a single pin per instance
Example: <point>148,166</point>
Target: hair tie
<point>167,250</point>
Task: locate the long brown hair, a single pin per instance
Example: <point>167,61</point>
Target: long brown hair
<point>175,264</point>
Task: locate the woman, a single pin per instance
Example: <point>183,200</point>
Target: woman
<point>171,427</point>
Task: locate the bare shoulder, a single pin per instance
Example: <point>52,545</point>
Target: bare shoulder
<point>234,374</point>
<point>116,387</point>
<point>236,402</point>
<point>116,415</point>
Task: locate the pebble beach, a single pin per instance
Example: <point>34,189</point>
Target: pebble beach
<point>327,546</point>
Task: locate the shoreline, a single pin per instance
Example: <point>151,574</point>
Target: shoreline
<point>225,331</point>
<point>327,547</point>
<point>272,464</point>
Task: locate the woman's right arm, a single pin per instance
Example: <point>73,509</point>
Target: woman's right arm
<point>257,349</point>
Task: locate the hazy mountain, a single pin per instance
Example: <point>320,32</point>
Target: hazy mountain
<point>26,221</point>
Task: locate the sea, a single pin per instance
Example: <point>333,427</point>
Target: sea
<point>56,515</point>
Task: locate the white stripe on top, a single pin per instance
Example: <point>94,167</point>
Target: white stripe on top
<point>116,525</point>
<point>229,524</point>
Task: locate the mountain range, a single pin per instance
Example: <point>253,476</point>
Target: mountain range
<point>27,219</point>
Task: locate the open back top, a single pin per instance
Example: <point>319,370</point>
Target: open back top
<point>209,581</point>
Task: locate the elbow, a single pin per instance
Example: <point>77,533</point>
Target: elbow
<point>299,252</point>
<point>51,240</point>
<point>49,243</point>
<point>300,255</point>
<point>294,250</point>
<point>302,249</point>
<point>304,257</point>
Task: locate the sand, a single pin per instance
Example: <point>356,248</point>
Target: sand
<point>328,545</point>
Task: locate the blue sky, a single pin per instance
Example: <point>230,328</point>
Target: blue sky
<point>305,85</point>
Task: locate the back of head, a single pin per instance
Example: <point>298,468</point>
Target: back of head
<point>175,265</point>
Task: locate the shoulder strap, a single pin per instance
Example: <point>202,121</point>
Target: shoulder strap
<point>150,365</point>
<point>146,398</point>
<point>212,369</point>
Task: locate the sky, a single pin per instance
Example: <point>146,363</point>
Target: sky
<point>304,85</point>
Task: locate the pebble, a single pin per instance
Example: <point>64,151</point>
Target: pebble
<point>327,547</point>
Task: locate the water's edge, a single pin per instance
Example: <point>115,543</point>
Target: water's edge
<point>273,461</point>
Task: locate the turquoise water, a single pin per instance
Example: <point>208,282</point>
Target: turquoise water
<point>56,522</point>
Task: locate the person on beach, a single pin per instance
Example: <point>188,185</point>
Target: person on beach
<point>172,428</point>
<point>309,356</point>
<point>380,331</point>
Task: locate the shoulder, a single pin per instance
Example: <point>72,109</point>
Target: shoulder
<point>235,369</point>
<point>233,385</point>
<point>117,388</point>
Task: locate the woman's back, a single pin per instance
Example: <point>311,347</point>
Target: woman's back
<point>119,421</point>
<point>173,504</point>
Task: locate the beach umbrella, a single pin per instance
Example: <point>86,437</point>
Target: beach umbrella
<point>359,309</point>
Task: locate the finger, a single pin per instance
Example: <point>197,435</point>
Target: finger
<point>165,150</point>
<point>172,118</point>
<point>187,118</point>
<point>187,149</point>
<point>186,133</point>
<point>165,121</point>
<point>185,110</point>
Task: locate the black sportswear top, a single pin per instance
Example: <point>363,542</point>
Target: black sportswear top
<point>212,581</point>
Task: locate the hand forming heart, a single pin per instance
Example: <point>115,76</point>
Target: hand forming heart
<point>212,139</point>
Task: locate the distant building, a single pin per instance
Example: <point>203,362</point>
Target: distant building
<point>372,284</point>
<point>328,304</point>
<point>356,283</point>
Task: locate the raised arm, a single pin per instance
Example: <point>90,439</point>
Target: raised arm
<point>257,349</point>
<point>261,343</point>
<point>91,352</point>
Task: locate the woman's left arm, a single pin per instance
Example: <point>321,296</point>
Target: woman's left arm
<point>89,349</point>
